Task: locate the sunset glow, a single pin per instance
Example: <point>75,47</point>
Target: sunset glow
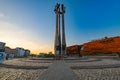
<point>31,23</point>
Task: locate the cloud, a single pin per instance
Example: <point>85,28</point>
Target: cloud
<point>2,15</point>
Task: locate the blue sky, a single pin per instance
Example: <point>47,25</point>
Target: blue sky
<point>31,23</point>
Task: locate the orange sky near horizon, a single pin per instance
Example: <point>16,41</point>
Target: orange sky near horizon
<point>16,37</point>
<point>34,49</point>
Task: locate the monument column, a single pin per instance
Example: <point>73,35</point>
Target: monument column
<point>57,44</point>
<point>59,32</point>
<point>63,32</point>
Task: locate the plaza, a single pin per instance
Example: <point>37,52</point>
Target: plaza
<point>86,40</point>
<point>66,69</point>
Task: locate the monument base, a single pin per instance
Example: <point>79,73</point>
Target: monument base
<point>59,57</point>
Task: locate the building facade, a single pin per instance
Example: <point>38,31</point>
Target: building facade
<point>10,53</point>
<point>20,52</point>
<point>74,50</point>
<point>27,53</point>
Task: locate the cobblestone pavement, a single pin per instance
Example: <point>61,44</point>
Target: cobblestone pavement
<point>98,74</point>
<point>93,63</point>
<point>83,69</point>
<point>50,69</point>
<point>23,69</point>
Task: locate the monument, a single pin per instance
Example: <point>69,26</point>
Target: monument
<point>59,48</point>
<point>63,32</point>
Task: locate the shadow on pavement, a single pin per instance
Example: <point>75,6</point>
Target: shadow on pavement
<point>23,67</point>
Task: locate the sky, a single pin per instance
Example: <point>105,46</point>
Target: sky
<point>31,23</point>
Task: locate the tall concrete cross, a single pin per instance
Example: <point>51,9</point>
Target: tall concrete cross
<point>59,49</point>
<point>63,32</point>
<point>57,44</point>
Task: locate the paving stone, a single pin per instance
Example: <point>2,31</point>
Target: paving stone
<point>59,71</point>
